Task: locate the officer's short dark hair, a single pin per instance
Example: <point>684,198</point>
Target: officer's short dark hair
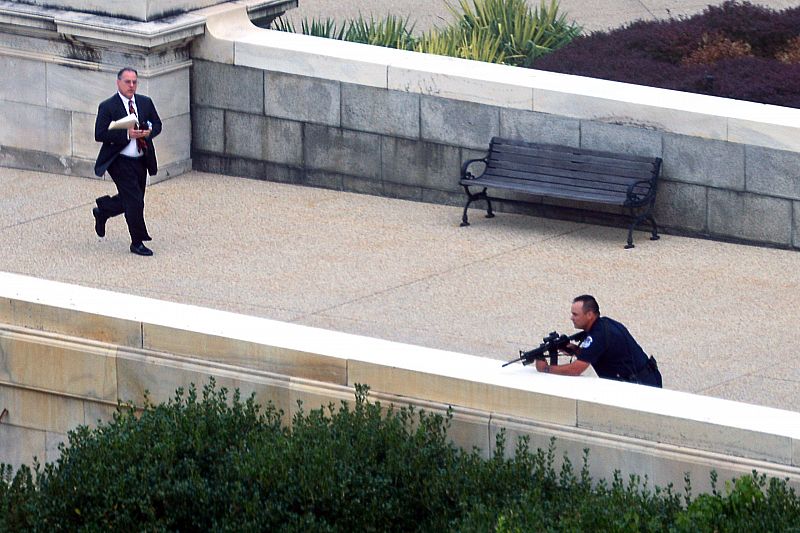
<point>124,70</point>
<point>589,303</point>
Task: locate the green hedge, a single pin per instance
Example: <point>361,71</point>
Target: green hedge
<point>217,463</point>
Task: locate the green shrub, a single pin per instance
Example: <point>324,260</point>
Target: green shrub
<point>496,31</point>
<point>217,463</point>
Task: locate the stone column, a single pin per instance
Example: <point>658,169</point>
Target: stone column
<point>59,60</point>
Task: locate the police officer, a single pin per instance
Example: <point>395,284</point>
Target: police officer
<point>607,346</point>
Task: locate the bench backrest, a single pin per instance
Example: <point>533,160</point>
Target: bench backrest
<point>574,172</point>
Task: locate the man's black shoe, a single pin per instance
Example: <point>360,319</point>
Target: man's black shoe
<point>141,249</point>
<point>99,223</point>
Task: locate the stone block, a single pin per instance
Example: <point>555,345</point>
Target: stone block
<point>433,196</point>
<point>213,164</point>
<point>43,162</point>
<point>621,139</point>
<point>76,89</point>
<point>418,163</point>
<point>69,322</point>
<point>244,353</point>
<point>684,432</point>
<point>342,151</point>
<point>228,87</point>
<point>402,192</point>
<point>796,224</point>
<point>326,180</point>
<point>459,79</point>
<point>461,392</point>
<point>27,84</point>
<point>281,173</point>
<point>457,123</point>
<point>704,162</point>
<point>302,98</point>
<point>161,377</point>
<point>94,412</point>
<point>170,170</point>
<point>779,131</point>
<point>208,129</point>
<point>772,172</point>
<point>83,143</point>
<point>263,138</point>
<point>175,141</point>
<point>682,205</point>
<point>40,410</point>
<point>628,105</point>
<point>247,168</point>
<point>748,216</point>
<point>19,445</point>
<point>36,128</point>
<point>306,55</point>
<point>468,430</point>
<point>170,93</point>
<point>539,127</point>
<point>362,185</point>
<point>51,443</point>
<point>374,110</point>
<point>56,365</point>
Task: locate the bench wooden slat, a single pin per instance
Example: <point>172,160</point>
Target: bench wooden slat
<point>500,143</point>
<point>538,171</point>
<point>547,189</point>
<point>568,180</point>
<point>559,159</point>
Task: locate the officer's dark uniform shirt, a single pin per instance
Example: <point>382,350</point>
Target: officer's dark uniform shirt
<point>611,350</point>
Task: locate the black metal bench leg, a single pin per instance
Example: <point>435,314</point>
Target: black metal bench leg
<point>654,236</point>
<point>464,221</point>
<point>471,198</point>
<point>636,221</point>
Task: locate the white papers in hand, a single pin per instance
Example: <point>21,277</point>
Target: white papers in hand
<point>123,123</point>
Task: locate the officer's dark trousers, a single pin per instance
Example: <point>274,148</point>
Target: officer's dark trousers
<point>130,177</point>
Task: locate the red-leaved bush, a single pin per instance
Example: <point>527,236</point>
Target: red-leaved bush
<point>735,50</point>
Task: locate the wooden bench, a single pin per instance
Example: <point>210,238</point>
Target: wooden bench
<point>554,171</point>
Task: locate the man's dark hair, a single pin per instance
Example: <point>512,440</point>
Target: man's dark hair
<point>589,303</point>
<point>124,70</point>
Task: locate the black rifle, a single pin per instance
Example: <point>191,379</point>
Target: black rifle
<point>550,346</point>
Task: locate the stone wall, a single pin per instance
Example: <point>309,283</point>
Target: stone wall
<point>68,353</point>
<point>304,110</point>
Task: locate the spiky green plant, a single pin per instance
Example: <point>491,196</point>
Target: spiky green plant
<point>496,31</point>
<point>525,33</point>
<point>391,32</point>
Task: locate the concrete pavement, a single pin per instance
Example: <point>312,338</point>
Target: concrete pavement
<point>717,316</point>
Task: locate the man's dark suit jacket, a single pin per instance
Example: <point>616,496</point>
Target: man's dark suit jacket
<point>114,141</point>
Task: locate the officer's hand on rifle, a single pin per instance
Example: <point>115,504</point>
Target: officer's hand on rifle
<point>571,349</point>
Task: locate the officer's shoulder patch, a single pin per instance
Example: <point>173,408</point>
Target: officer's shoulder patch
<point>586,342</point>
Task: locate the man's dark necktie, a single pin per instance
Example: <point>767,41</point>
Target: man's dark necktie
<point>140,143</point>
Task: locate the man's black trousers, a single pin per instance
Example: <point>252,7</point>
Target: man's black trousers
<point>130,177</point>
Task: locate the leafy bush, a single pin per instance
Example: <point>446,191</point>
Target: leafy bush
<point>736,50</point>
<point>496,31</point>
<point>218,463</point>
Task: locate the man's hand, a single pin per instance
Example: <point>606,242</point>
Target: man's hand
<point>571,349</point>
<point>542,366</point>
<point>138,134</point>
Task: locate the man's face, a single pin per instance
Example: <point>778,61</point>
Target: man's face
<point>127,84</point>
<point>580,318</point>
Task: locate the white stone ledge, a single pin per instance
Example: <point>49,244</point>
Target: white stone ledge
<point>233,39</point>
<point>712,423</point>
